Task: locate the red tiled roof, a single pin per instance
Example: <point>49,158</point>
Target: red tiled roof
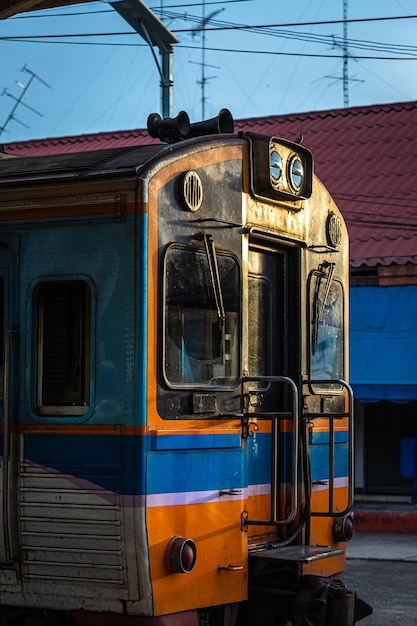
<point>364,155</point>
<point>79,143</point>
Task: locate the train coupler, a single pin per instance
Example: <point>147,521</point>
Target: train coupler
<point>323,602</point>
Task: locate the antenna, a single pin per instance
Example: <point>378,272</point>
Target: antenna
<point>345,76</point>
<point>345,57</point>
<point>18,100</point>
<point>204,20</point>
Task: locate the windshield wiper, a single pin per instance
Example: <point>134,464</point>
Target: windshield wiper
<point>214,275</point>
<point>319,305</point>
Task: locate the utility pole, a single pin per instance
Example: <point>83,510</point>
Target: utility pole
<point>155,33</point>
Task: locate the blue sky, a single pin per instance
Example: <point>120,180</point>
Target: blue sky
<point>110,81</point>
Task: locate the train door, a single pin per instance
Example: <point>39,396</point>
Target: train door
<point>8,466</point>
<point>272,394</point>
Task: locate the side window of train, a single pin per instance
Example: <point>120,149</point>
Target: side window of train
<point>326,328</point>
<point>63,348</point>
<point>201,319</point>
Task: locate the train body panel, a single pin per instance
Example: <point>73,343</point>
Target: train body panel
<point>79,464</point>
<point>176,428</point>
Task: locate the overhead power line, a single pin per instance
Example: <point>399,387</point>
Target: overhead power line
<point>365,20</point>
<point>321,23</point>
<point>410,203</point>
<point>382,223</point>
<point>55,39</point>
<point>332,41</point>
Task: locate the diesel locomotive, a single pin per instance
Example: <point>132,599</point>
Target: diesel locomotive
<point>176,421</point>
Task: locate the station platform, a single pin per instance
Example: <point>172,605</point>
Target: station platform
<point>382,547</point>
<point>385,515</point>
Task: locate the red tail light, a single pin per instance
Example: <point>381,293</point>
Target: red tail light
<point>182,555</point>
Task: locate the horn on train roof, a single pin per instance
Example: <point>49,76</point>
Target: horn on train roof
<point>222,123</point>
<point>178,128</point>
<point>171,128</point>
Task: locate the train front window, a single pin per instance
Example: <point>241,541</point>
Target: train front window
<point>327,332</point>
<point>63,348</point>
<point>201,318</point>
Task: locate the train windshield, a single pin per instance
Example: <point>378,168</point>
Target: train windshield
<point>201,318</point>
<point>327,354</point>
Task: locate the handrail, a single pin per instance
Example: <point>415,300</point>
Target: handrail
<point>332,417</point>
<point>274,418</point>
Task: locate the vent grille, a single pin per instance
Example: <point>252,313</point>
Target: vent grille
<point>192,191</point>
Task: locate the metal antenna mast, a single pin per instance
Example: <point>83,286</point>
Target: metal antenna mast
<point>204,20</point>
<point>345,47</point>
<point>345,56</point>
<point>18,100</point>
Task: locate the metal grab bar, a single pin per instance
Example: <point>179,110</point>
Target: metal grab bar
<point>332,417</point>
<point>275,418</point>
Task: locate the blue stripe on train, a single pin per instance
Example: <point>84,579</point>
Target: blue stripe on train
<point>259,451</point>
<point>197,470</point>
<point>319,454</point>
<point>194,442</point>
<point>118,463</point>
<point>112,462</point>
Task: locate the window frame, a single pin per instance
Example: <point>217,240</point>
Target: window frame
<point>322,389</point>
<point>200,385</point>
<point>67,410</point>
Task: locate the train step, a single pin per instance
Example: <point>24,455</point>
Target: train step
<point>297,554</point>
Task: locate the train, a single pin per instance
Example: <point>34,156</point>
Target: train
<point>176,421</point>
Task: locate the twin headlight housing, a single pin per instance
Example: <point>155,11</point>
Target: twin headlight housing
<point>281,169</point>
<point>292,176</point>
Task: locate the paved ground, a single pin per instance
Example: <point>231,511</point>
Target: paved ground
<point>382,547</point>
<point>381,568</point>
<point>389,587</point>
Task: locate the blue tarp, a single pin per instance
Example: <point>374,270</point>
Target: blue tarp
<point>383,343</point>
<point>408,448</point>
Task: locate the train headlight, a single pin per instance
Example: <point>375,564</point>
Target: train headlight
<point>296,173</point>
<point>281,170</point>
<point>275,166</point>
<point>182,555</point>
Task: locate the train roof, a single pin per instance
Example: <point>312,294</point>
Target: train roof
<point>77,163</point>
